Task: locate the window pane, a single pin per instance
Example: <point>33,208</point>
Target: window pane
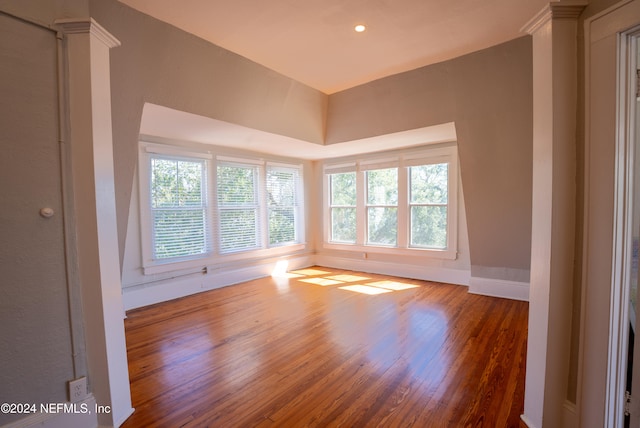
<point>429,226</point>
<point>343,225</point>
<point>176,183</point>
<point>343,189</point>
<point>382,186</point>
<point>237,229</point>
<point>282,226</point>
<point>429,184</point>
<point>236,185</point>
<point>282,201</point>
<point>281,187</point>
<point>179,233</point>
<point>178,208</point>
<point>238,207</point>
<point>382,225</point>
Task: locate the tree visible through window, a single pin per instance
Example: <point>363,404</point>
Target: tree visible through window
<point>342,203</point>
<point>178,207</point>
<point>238,207</point>
<point>382,206</point>
<point>428,201</point>
<point>282,203</point>
<point>407,203</point>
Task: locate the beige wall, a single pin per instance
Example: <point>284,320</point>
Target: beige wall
<point>162,65</point>
<point>488,94</point>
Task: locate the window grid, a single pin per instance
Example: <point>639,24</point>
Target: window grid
<point>407,222</point>
<point>382,206</point>
<point>342,207</point>
<point>178,207</point>
<point>428,205</point>
<point>193,207</point>
<point>282,203</point>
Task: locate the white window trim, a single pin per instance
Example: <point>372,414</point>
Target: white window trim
<point>448,153</point>
<point>214,257</point>
<point>149,264</point>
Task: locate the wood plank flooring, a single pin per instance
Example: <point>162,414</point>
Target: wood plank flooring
<point>318,351</point>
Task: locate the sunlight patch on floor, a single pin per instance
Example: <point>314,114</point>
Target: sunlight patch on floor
<point>321,281</point>
<point>393,285</point>
<point>348,278</point>
<point>365,289</point>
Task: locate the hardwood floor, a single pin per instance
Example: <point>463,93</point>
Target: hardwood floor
<point>298,352</point>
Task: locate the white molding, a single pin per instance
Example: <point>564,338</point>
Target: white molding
<point>90,168</point>
<point>173,288</point>
<point>90,26</point>
<point>499,288</point>
<point>563,10</point>
<point>427,273</point>
<point>62,420</point>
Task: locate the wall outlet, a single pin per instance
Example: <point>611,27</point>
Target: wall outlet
<point>77,389</point>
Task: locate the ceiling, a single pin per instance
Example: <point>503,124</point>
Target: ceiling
<point>314,42</point>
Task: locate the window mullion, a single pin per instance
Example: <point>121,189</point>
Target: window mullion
<point>361,208</point>
<point>403,208</point>
<point>263,209</point>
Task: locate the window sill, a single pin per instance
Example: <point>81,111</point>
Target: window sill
<point>419,252</point>
<point>218,259</point>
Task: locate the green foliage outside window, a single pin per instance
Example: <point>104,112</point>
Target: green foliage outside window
<point>178,208</point>
<point>382,211</point>
<point>428,201</point>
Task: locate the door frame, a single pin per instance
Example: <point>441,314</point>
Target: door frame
<point>604,312</point>
<point>622,228</point>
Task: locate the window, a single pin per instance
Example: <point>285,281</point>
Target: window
<point>428,202</point>
<point>407,203</point>
<point>178,207</point>
<point>197,210</point>
<point>283,200</point>
<point>382,206</point>
<point>342,203</point>
<point>238,207</point>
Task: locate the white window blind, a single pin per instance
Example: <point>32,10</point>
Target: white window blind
<point>238,206</point>
<point>284,196</point>
<point>178,207</point>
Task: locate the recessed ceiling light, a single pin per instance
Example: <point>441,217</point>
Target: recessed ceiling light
<point>360,28</point>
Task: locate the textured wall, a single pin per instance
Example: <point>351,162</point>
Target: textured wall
<point>35,336</point>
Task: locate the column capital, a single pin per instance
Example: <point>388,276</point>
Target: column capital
<point>87,25</point>
<point>554,10</point>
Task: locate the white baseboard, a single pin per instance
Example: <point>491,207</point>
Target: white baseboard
<point>76,415</point>
<point>499,288</point>
<point>569,417</point>
<point>527,421</point>
<point>173,288</point>
<point>428,273</point>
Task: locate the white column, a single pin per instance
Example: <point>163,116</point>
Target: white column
<point>90,143</point>
<point>554,32</point>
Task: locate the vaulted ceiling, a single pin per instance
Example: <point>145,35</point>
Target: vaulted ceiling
<point>314,42</point>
